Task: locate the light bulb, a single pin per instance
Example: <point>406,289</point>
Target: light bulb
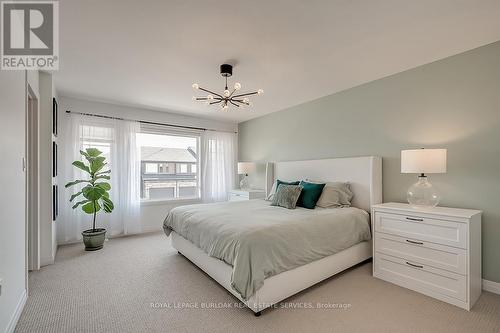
<point>210,97</point>
<point>196,86</point>
<point>194,98</point>
<point>227,93</point>
<point>246,100</point>
<point>237,86</point>
<point>225,107</point>
<point>260,91</point>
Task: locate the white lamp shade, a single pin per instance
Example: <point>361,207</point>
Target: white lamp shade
<point>423,161</point>
<point>245,168</point>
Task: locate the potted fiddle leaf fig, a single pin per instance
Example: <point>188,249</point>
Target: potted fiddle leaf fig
<point>94,195</point>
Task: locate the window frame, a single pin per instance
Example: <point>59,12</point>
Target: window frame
<point>163,130</point>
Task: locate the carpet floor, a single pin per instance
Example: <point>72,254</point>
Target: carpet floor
<point>141,284</point>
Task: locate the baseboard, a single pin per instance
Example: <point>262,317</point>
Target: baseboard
<point>491,286</point>
<point>144,231</point>
<point>15,316</point>
<point>44,261</point>
<point>150,230</point>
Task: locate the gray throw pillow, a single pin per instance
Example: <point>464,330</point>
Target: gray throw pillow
<point>286,196</point>
<point>335,194</point>
<point>277,183</point>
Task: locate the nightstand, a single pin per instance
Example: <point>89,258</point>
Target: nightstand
<point>433,250</point>
<point>248,194</point>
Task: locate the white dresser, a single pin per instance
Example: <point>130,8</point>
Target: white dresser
<point>238,194</point>
<point>435,251</point>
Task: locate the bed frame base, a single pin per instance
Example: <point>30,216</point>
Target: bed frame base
<point>278,287</point>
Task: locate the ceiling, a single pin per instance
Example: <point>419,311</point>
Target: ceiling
<point>148,53</point>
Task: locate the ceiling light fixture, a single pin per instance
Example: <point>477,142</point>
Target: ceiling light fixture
<point>228,96</point>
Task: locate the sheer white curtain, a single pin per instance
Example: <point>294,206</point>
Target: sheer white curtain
<point>218,165</point>
<point>128,174</point>
<point>117,140</point>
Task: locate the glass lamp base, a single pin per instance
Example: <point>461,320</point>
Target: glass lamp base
<point>422,193</point>
<point>244,184</point>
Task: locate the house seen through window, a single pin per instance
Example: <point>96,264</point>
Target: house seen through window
<point>169,165</point>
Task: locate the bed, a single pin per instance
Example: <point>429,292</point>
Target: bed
<point>246,246</point>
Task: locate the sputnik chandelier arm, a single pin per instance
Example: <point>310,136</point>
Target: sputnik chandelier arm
<point>227,97</point>
<point>210,92</point>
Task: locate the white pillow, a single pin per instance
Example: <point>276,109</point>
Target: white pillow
<point>335,194</point>
<point>272,192</point>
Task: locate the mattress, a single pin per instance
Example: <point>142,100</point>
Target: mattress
<point>260,241</point>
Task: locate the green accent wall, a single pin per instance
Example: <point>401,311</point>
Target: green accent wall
<point>453,103</point>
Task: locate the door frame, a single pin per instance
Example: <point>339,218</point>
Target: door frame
<point>32,181</point>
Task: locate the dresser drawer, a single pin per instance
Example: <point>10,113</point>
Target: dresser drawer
<point>429,254</point>
<point>420,277</point>
<point>423,228</point>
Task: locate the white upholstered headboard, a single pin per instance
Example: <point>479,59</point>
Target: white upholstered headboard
<point>363,173</point>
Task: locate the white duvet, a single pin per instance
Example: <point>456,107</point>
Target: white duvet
<point>260,240</point>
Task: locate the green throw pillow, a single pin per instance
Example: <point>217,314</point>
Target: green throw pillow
<point>279,182</point>
<point>310,194</point>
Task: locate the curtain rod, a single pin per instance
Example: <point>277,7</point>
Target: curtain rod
<point>148,122</point>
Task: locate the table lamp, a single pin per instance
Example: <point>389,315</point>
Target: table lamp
<point>423,161</point>
<point>244,168</point>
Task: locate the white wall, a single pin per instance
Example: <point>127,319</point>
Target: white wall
<point>453,103</point>
<point>152,213</point>
<point>88,106</point>
<point>12,196</point>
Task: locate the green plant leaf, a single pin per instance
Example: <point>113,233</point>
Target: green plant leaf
<point>107,204</point>
<point>104,186</point>
<point>85,189</point>
<point>93,152</point>
<point>76,182</point>
<point>103,172</point>
<point>89,207</point>
<point>84,154</point>
<point>89,159</point>
<point>93,192</point>
<point>80,203</point>
<point>102,177</point>
<point>107,199</point>
<point>97,164</point>
<point>74,196</point>
<point>81,165</point>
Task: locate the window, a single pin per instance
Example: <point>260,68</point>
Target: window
<point>168,168</point>
<point>97,137</point>
<point>151,168</point>
<point>168,165</point>
<point>182,168</point>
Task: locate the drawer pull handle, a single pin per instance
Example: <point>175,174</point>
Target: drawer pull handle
<point>413,265</point>
<point>414,219</point>
<point>413,242</point>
